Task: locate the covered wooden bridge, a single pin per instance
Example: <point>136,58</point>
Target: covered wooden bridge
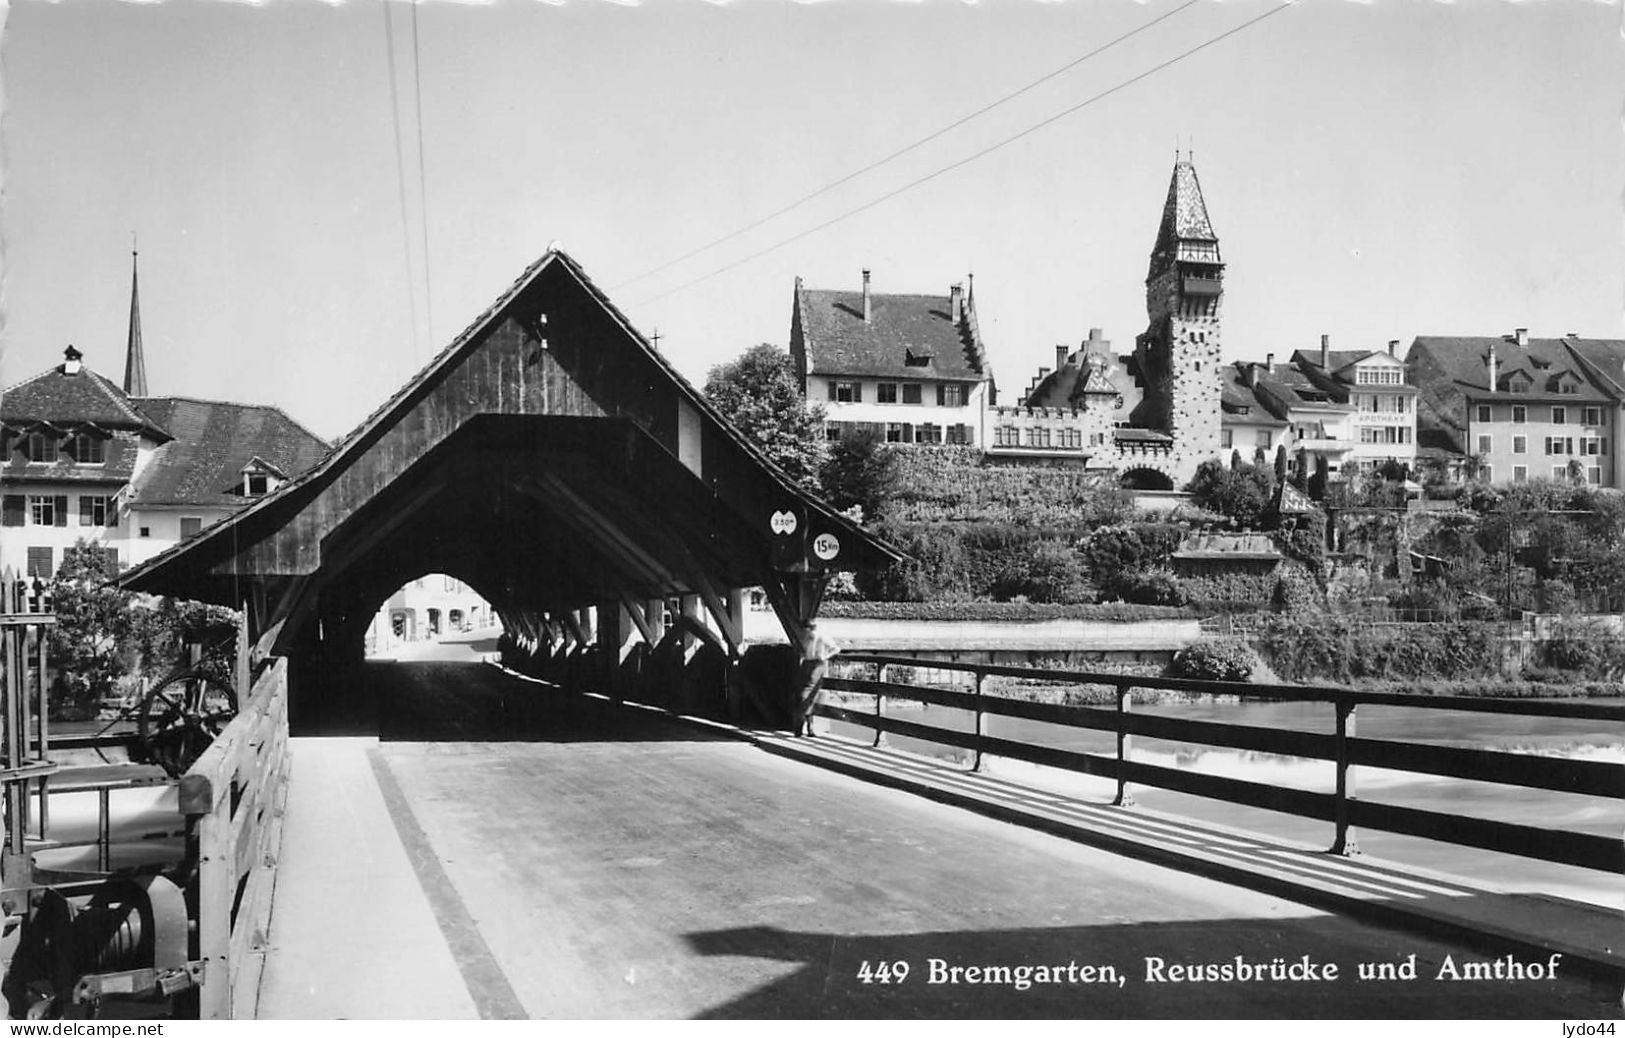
<point>552,459</point>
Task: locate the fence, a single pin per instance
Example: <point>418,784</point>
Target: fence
<point>1343,748</point>
<point>233,798</point>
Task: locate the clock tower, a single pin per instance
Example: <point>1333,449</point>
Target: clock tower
<point>1177,357</point>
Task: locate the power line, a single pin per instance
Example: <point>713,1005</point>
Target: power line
<point>928,138</point>
<point>400,179</point>
<point>423,198</point>
<point>969,159</point>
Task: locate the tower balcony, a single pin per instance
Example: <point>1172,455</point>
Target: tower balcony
<point>1200,285</point>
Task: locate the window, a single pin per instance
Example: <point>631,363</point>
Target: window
<point>959,433</point>
<point>1592,416</point>
<point>911,392</point>
<point>846,392</point>
<point>1037,436</point>
<point>256,484</point>
<point>146,531</point>
<point>1567,388</point>
<point>1224,438</point>
<point>1559,445</point>
<point>1520,413</point>
<point>87,449</point>
<point>1594,475</point>
<point>191,526</point>
<point>46,510</point>
<point>13,509</point>
<point>1487,473</point>
<point>1006,436</point>
<point>1560,471</point>
<point>899,432</point>
<point>1097,439</point>
<point>1262,439</point>
<point>1520,473</point>
<point>1592,445</point>
<point>1520,445</point>
<point>1379,376</point>
<point>1559,415</point>
<point>40,564</point>
<point>950,396</point>
<point>1072,439</point>
<point>1483,412</point>
<point>886,393</point>
<point>41,447</point>
<point>925,432</point>
<point>1485,444</point>
<point>832,431</point>
<point>97,510</point>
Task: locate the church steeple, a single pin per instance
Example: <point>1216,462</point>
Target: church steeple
<point>135,364</point>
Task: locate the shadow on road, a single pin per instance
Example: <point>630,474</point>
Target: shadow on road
<point>474,702</point>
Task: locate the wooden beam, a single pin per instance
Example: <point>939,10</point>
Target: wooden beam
<point>591,518</point>
<point>641,622</point>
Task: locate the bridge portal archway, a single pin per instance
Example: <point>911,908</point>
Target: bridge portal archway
<point>554,461</point>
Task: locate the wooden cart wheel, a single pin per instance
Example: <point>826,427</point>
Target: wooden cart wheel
<point>181,716</point>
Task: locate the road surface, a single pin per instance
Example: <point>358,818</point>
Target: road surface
<point>590,861</point>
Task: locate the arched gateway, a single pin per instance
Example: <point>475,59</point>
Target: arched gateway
<point>554,461</point>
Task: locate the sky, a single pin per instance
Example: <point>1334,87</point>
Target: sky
<point>1374,171</point>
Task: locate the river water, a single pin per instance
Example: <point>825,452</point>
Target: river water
<point>1580,739</point>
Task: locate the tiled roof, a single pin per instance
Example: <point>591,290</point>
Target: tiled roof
<point>1235,394</point>
<point>214,441</point>
<point>840,342</point>
<point>1462,358</point>
<point>1070,385</point>
<point>63,399</point>
<point>1604,360</point>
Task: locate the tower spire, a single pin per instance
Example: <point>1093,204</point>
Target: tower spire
<point>135,363</point>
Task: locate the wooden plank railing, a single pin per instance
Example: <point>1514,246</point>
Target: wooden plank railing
<point>1342,747</point>
<point>233,798</point>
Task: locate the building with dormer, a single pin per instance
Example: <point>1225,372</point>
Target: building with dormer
<point>82,457</point>
<point>912,368</point>
<point>1512,408</point>
<point>1382,425</point>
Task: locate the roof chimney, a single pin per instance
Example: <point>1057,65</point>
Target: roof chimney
<point>956,301</point>
<point>1269,363</point>
<point>866,306</point>
<point>1060,356</point>
<point>1490,363</point>
<point>1522,335</point>
<point>1325,351</point>
<point>1249,374</point>
<point>1393,347</point>
<point>71,364</point>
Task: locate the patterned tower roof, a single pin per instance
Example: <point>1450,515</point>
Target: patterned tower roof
<point>1185,227</point>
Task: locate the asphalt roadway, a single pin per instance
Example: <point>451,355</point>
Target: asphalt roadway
<point>576,859</point>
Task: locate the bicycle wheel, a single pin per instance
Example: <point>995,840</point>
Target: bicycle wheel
<point>181,716</point>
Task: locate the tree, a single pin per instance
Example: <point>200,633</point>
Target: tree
<point>860,470</point>
<point>89,642</point>
<point>1243,494</point>
<point>759,393</point>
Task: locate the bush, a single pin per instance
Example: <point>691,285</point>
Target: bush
<point>1305,646</point>
<point>1048,571</point>
<point>1229,591</point>
<point>1214,661</point>
<point>1106,612</point>
<point>1158,587</point>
